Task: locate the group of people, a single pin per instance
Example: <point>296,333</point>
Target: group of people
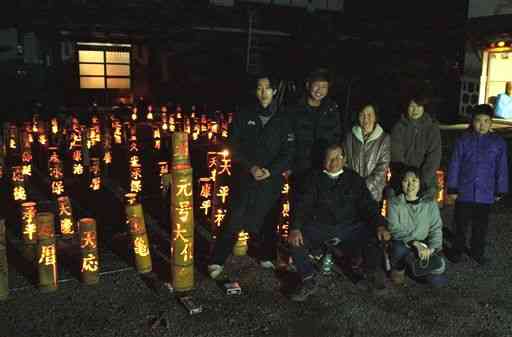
<point>338,181</point>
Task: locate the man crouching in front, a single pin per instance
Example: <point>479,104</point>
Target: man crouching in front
<point>335,205</point>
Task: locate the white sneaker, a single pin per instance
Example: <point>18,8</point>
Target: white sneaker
<point>267,265</point>
<point>214,270</point>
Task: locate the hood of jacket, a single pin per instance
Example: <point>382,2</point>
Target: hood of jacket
<point>376,133</point>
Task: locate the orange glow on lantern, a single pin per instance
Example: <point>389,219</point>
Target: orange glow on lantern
<point>149,115</point>
<point>54,126</point>
<point>384,209</point>
<point>65,217</point>
<point>95,170</point>
<point>18,182</point>
<point>28,222</point>
<point>134,114</point>
<point>135,178</point>
<point>440,197</point>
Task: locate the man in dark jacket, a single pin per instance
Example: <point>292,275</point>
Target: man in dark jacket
<point>335,204</point>
<point>416,142</point>
<point>316,124</point>
<point>261,143</point>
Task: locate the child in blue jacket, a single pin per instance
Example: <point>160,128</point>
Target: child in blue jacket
<point>477,177</point>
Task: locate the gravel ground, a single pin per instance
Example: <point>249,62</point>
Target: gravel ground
<point>477,302</point>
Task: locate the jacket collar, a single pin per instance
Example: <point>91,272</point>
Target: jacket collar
<point>423,121</point>
<point>376,133</point>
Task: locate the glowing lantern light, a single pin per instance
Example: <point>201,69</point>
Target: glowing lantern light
<point>165,177</point>
<point>240,248</point>
<point>67,228</point>
<point>4,272</point>
<point>149,115</point>
<point>47,252</point>
<point>19,191</point>
<point>441,191</point>
<point>28,222</point>
<point>137,226</point>
<point>182,215</point>
<point>54,126</point>
<point>501,44</point>
<point>95,170</point>
<point>134,114</point>
<point>89,248</point>
<point>384,209</point>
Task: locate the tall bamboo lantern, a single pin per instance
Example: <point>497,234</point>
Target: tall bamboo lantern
<point>182,215</point>
<point>284,215</point>
<point>89,248</point>
<point>47,252</point>
<point>4,271</point>
<point>137,225</point>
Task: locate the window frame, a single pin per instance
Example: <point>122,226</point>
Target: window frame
<point>104,48</point>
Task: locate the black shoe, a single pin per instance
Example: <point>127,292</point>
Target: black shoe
<point>481,260</point>
<point>308,287</point>
<point>374,283</point>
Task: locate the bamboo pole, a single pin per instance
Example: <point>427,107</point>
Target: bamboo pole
<point>89,248</point>
<point>47,252</point>
<point>137,226</point>
<point>182,215</point>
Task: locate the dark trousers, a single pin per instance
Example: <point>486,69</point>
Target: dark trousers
<point>352,239</point>
<point>228,236</point>
<point>476,215</point>
<point>399,251</point>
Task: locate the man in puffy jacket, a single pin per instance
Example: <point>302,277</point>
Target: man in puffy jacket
<point>416,142</point>
<point>477,176</point>
<point>316,124</point>
<point>335,204</point>
<point>261,143</point>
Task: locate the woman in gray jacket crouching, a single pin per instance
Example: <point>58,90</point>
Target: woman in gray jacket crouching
<point>417,230</point>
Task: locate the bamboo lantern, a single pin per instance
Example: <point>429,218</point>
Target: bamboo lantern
<point>137,225</point>
<point>67,228</point>
<point>134,114</point>
<point>441,190</point>
<point>284,215</point>
<point>89,248</point>
<point>240,248</point>
<point>19,191</point>
<point>42,137</point>
<point>77,165</point>
<point>149,115</point>
<point>4,271</point>
<point>47,252</point>
<point>95,171</point>
<point>205,196</point>
<point>13,141</point>
<point>28,222</point>
<point>157,138</point>
<point>220,170</point>
<point>182,215</point>
<point>118,131</point>
<point>135,178</point>
<point>26,159</point>
<point>385,207</point>
<point>163,172</point>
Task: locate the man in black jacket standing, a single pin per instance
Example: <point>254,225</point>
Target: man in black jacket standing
<point>261,144</point>
<point>335,204</point>
<point>316,124</point>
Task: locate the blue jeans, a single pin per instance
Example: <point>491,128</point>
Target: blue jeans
<point>352,238</point>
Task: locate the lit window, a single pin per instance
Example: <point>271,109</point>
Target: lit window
<point>100,67</point>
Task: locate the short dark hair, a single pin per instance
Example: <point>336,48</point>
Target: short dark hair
<point>319,74</point>
<point>334,146</point>
<point>420,94</point>
<point>274,83</point>
<point>412,169</point>
<point>482,109</point>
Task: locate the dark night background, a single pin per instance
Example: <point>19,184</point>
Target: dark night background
<point>374,49</point>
